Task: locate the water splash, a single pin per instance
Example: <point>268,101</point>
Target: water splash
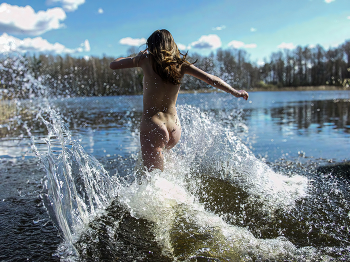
<point>180,218</point>
<point>186,230</point>
<point>210,148</point>
<point>78,186</point>
<point>17,79</point>
<point>81,191</point>
<point>214,202</point>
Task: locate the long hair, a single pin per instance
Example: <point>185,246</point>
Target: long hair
<point>166,60</point>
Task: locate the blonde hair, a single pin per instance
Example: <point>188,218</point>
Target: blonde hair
<point>166,60</point>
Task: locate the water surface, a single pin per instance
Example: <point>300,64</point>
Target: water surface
<point>218,187</point>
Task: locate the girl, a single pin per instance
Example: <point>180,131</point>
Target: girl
<point>163,69</point>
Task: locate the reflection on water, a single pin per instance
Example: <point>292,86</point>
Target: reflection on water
<point>216,203</point>
<point>274,124</point>
<point>303,115</point>
<point>295,124</point>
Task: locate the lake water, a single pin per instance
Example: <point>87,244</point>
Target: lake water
<point>242,184</point>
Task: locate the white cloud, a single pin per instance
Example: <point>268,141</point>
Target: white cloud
<point>240,44</point>
<point>286,46</point>
<point>252,29</point>
<point>100,11</point>
<point>86,45</point>
<point>329,1</point>
<point>132,41</point>
<point>206,42</point>
<point>260,62</point>
<point>235,44</point>
<point>23,20</point>
<point>68,5</point>
<point>348,17</point>
<point>181,46</point>
<point>250,45</point>
<point>12,44</point>
<point>219,28</point>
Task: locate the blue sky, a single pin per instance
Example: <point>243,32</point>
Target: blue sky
<point>86,27</point>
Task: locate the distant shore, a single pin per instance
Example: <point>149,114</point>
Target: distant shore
<point>4,93</point>
<point>270,89</point>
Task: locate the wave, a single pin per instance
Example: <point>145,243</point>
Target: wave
<point>195,209</point>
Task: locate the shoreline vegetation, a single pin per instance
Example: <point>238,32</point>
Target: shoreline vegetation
<point>272,89</point>
<point>304,68</point>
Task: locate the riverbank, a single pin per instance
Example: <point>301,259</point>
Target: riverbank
<point>270,89</point>
<point>5,96</point>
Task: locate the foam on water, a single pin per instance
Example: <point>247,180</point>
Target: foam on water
<point>209,147</point>
<point>164,201</point>
<point>185,229</point>
<point>80,190</point>
<point>127,216</point>
<point>78,186</point>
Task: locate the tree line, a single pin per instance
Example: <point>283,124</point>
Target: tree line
<point>31,75</point>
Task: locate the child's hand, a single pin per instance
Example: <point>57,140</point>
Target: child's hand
<point>243,94</point>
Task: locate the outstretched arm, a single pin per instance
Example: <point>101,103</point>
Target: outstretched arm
<point>127,62</point>
<point>214,81</point>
